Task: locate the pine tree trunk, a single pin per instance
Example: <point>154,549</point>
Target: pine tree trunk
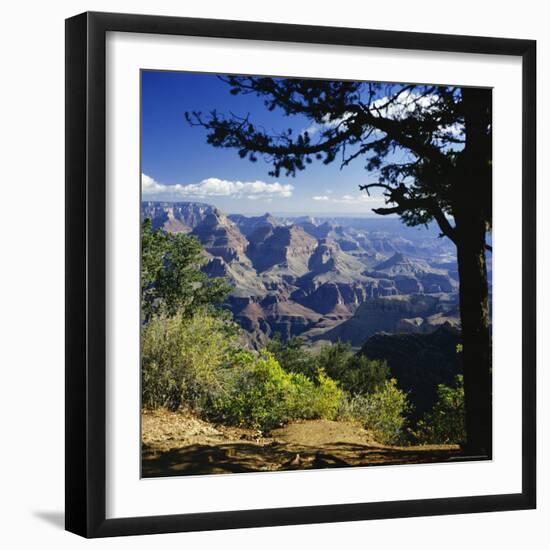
<point>476,340</point>
<point>472,212</point>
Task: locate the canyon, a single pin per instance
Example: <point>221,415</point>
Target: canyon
<point>323,278</point>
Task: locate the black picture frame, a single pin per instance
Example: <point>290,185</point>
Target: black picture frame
<point>86,279</point>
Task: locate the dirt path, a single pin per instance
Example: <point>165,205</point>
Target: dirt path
<point>179,444</point>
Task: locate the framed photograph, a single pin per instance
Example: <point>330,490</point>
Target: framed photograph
<point>300,274</point>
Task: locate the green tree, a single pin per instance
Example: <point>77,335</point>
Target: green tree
<point>443,173</point>
<point>356,373</point>
<point>365,375</point>
<point>445,422</point>
<point>334,359</point>
<point>171,279</point>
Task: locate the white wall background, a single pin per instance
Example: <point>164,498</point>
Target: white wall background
<point>32,271</point>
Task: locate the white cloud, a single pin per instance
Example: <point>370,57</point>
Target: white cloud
<point>214,187</point>
<point>327,123</point>
<point>149,186</point>
<point>398,109</point>
<point>406,103</point>
<point>360,198</point>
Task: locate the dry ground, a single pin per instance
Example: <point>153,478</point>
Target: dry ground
<point>180,444</point>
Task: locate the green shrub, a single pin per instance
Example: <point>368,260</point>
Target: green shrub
<point>181,358</point>
<point>320,398</point>
<point>445,423</point>
<point>292,355</point>
<point>355,373</point>
<point>334,359</point>
<point>258,392</point>
<point>195,362</point>
<point>382,412</point>
<point>364,375</point>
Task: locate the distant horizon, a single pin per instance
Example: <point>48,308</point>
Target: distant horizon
<point>289,214</point>
<point>397,225</point>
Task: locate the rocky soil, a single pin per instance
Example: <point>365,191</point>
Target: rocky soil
<point>181,444</point>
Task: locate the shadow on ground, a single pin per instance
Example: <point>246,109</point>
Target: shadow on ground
<point>248,457</point>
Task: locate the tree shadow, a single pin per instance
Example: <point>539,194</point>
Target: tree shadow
<point>276,456</point>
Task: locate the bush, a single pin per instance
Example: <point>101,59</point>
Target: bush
<point>365,375</point>
<point>259,393</point>
<point>181,358</point>
<point>334,359</point>
<point>320,398</point>
<point>383,412</point>
<point>292,356</point>
<point>355,373</point>
<point>445,423</point>
<point>255,393</point>
<point>195,362</point>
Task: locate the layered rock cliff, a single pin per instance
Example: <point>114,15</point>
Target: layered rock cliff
<point>322,279</point>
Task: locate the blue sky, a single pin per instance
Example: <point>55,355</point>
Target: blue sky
<point>178,164</point>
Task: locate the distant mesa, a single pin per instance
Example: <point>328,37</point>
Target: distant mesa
<point>175,217</point>
<point>286,249</point>
<point>248,224</point>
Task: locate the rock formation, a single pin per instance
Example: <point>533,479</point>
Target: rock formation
<point>323,279</point>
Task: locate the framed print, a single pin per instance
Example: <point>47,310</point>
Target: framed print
<point>300,274</point>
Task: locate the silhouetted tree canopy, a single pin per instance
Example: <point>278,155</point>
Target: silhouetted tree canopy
<point>411,136</point>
